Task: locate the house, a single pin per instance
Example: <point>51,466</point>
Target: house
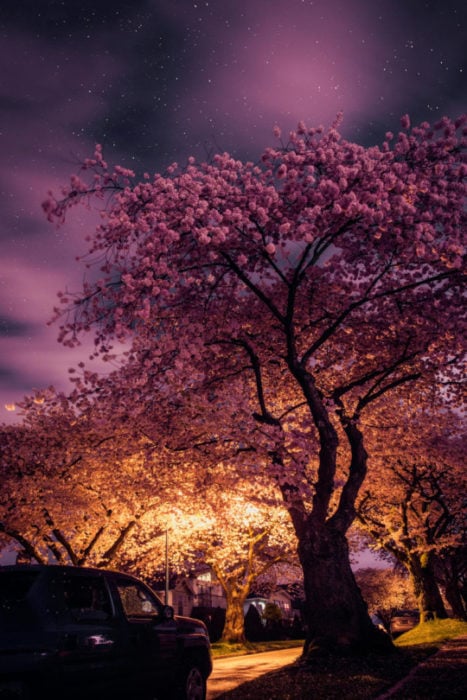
<point>199,591</point>
<point>204,592</point>
<point>280,597</point>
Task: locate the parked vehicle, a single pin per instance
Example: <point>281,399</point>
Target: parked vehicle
<point>69,632</point>
<point>378,622</point>
<point>404,620</point>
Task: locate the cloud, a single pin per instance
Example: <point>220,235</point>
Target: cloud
<point>286,62</point>
<point>42,143</point>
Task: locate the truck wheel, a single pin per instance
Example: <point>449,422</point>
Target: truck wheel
<point>194,686</point>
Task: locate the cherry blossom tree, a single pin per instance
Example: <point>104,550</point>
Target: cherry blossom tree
<point>254,538</point>
<point>413,508</point>
<point>79,490</point>
<point>239,530</point>
<point>450,567</point>
<point>386,591</point>
<point>289,295</point>
<point>74,492</point>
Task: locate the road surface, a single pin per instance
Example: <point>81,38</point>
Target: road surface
<point>231,671</point>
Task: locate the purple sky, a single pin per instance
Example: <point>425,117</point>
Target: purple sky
<point>158,80</point>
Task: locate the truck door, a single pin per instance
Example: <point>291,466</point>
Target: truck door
<point>152,643</point>
<point>89,645</point>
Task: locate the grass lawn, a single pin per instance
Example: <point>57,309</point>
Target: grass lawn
<point>219,649</point>
<point>349,678</point>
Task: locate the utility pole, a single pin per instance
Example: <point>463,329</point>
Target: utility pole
<point>166,567</point>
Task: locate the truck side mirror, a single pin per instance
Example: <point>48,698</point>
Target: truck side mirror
<point>168,612</point>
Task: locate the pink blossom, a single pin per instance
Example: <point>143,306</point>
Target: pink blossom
<point>277,132</point>
<point>282,171</point>
<point>405,121</point>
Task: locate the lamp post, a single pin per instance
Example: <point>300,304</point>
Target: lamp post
<point>166,567</point>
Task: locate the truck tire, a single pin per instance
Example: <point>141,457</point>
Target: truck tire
<point>194,683</point>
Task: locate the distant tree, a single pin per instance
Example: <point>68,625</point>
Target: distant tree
<point>254,628</point>
<point>239,536</point>
<point>74,491</point>
<point>292,294</point>
<point>386,591</point>
<point>450,566</point>
<point>413,507</point>
<point>272,617</point>
<point>81,489</point>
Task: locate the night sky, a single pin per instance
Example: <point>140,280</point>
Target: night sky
<point>158,80</point>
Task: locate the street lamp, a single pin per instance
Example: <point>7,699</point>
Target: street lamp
<point>166,567</point>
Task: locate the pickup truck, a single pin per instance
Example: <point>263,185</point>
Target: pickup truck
<point>72,632</point>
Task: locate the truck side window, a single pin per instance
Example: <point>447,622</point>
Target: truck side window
<point>136,601</point>
<point>87,595</point>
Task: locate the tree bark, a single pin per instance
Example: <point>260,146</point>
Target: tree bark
<point>454,598</point>
<point>336,615</point>
<point>430,602</point>
<point>234,627</point>
<point>450,574</point>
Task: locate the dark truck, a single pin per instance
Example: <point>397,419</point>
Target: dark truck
<point>70,632</point>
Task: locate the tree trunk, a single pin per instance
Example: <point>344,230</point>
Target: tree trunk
<point>450,579</point>
<point>430,602</point>
<point>454,598</point>
<point>234,627</point>
<point>336,615</point>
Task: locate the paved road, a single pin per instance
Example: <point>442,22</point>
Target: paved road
<point>231,671</point>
